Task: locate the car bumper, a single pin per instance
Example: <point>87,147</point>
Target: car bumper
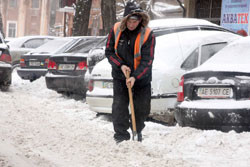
<point>5,74</point>
<point>224,119</point>
<point>103,104</point>
<point>31,74</point>
<point>66,84</point>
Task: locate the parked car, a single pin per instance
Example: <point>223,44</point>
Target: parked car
<point>174,55</point>
<point>22,45</point>
<point>66,71</point>
<point>5,65</point>
<point>34,64</point>
<point>216,95</point>
<point>161,27</point>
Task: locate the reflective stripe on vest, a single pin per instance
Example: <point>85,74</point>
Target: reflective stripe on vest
<point>140,40</point>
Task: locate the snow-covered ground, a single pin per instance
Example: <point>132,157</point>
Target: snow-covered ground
<point>40,128</point>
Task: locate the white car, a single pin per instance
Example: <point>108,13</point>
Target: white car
<point>175,53</point>
<point>22,45</point>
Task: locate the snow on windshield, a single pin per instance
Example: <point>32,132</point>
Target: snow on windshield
<point>52,45</point>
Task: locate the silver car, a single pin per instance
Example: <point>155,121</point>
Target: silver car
<point>22,45</point>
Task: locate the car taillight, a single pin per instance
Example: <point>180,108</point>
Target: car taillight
<point>22,63</point>
<point>180,94</point>
<point>91,85</point>
<point>52,65</point>
<point>46,62</point>
<point>6,58</point>
<point>82,66</point>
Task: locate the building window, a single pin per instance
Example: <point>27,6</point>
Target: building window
<point>12,27</point>
<point>63,3</point>
<point>12,3</point>
<point>209,10</point>
<point>35,4</point>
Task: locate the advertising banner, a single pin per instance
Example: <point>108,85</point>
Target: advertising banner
<point>235,15</point>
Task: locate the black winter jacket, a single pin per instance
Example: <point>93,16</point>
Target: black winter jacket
<point>143,73</point>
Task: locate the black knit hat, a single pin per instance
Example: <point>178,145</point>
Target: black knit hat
<point>132,8</point>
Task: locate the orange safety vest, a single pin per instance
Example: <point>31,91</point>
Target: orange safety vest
<point>140,40</point>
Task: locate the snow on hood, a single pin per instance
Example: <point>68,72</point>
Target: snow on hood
<point>235,58</point>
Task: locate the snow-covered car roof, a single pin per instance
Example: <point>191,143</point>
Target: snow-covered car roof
<point>170,54</point>
<point>17,42</point>
<point>234,58</point>
<point>179,22</point>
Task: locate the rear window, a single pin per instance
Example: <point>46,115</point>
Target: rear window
<point>34,43</point>
<point>53,45</point>
<point>207,51</point>
<point>84,45</point>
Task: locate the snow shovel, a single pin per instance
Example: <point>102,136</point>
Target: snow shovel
<point>134,132</point>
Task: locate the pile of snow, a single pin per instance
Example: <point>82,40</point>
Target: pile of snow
<point>42,128</point>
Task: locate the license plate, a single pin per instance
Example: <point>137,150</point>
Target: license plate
<point>205,92</point>
<point>66,67</point>
<point>34,63</point>
<point>107,85</point>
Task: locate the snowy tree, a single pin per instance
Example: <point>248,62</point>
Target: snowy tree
<point>81,18</point>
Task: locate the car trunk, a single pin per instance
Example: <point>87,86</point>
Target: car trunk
<point>217,85</point>
<point>69,65</point>
<point>36,61</point>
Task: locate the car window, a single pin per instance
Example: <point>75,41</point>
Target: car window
<point>52,45</point>
<point>84,45</point>
<point>33,43</point>
<point>207,51</point>
<point>192,60</point>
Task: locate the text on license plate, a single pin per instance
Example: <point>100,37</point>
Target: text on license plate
<point>34,63</point>
<point>206,92</point>
<point>66,67</point>
<point>107,84</point>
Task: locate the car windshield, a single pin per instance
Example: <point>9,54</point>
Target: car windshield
<point>84,45</point>
<point>52,45</point>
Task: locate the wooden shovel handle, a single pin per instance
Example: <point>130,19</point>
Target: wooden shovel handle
<point>131,104</point>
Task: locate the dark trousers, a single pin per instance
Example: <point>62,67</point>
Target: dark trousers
<point>120,113</point>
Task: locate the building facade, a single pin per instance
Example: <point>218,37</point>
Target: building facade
<point>29,17</point>
<point>55,17</point>
<point>204,9</point>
